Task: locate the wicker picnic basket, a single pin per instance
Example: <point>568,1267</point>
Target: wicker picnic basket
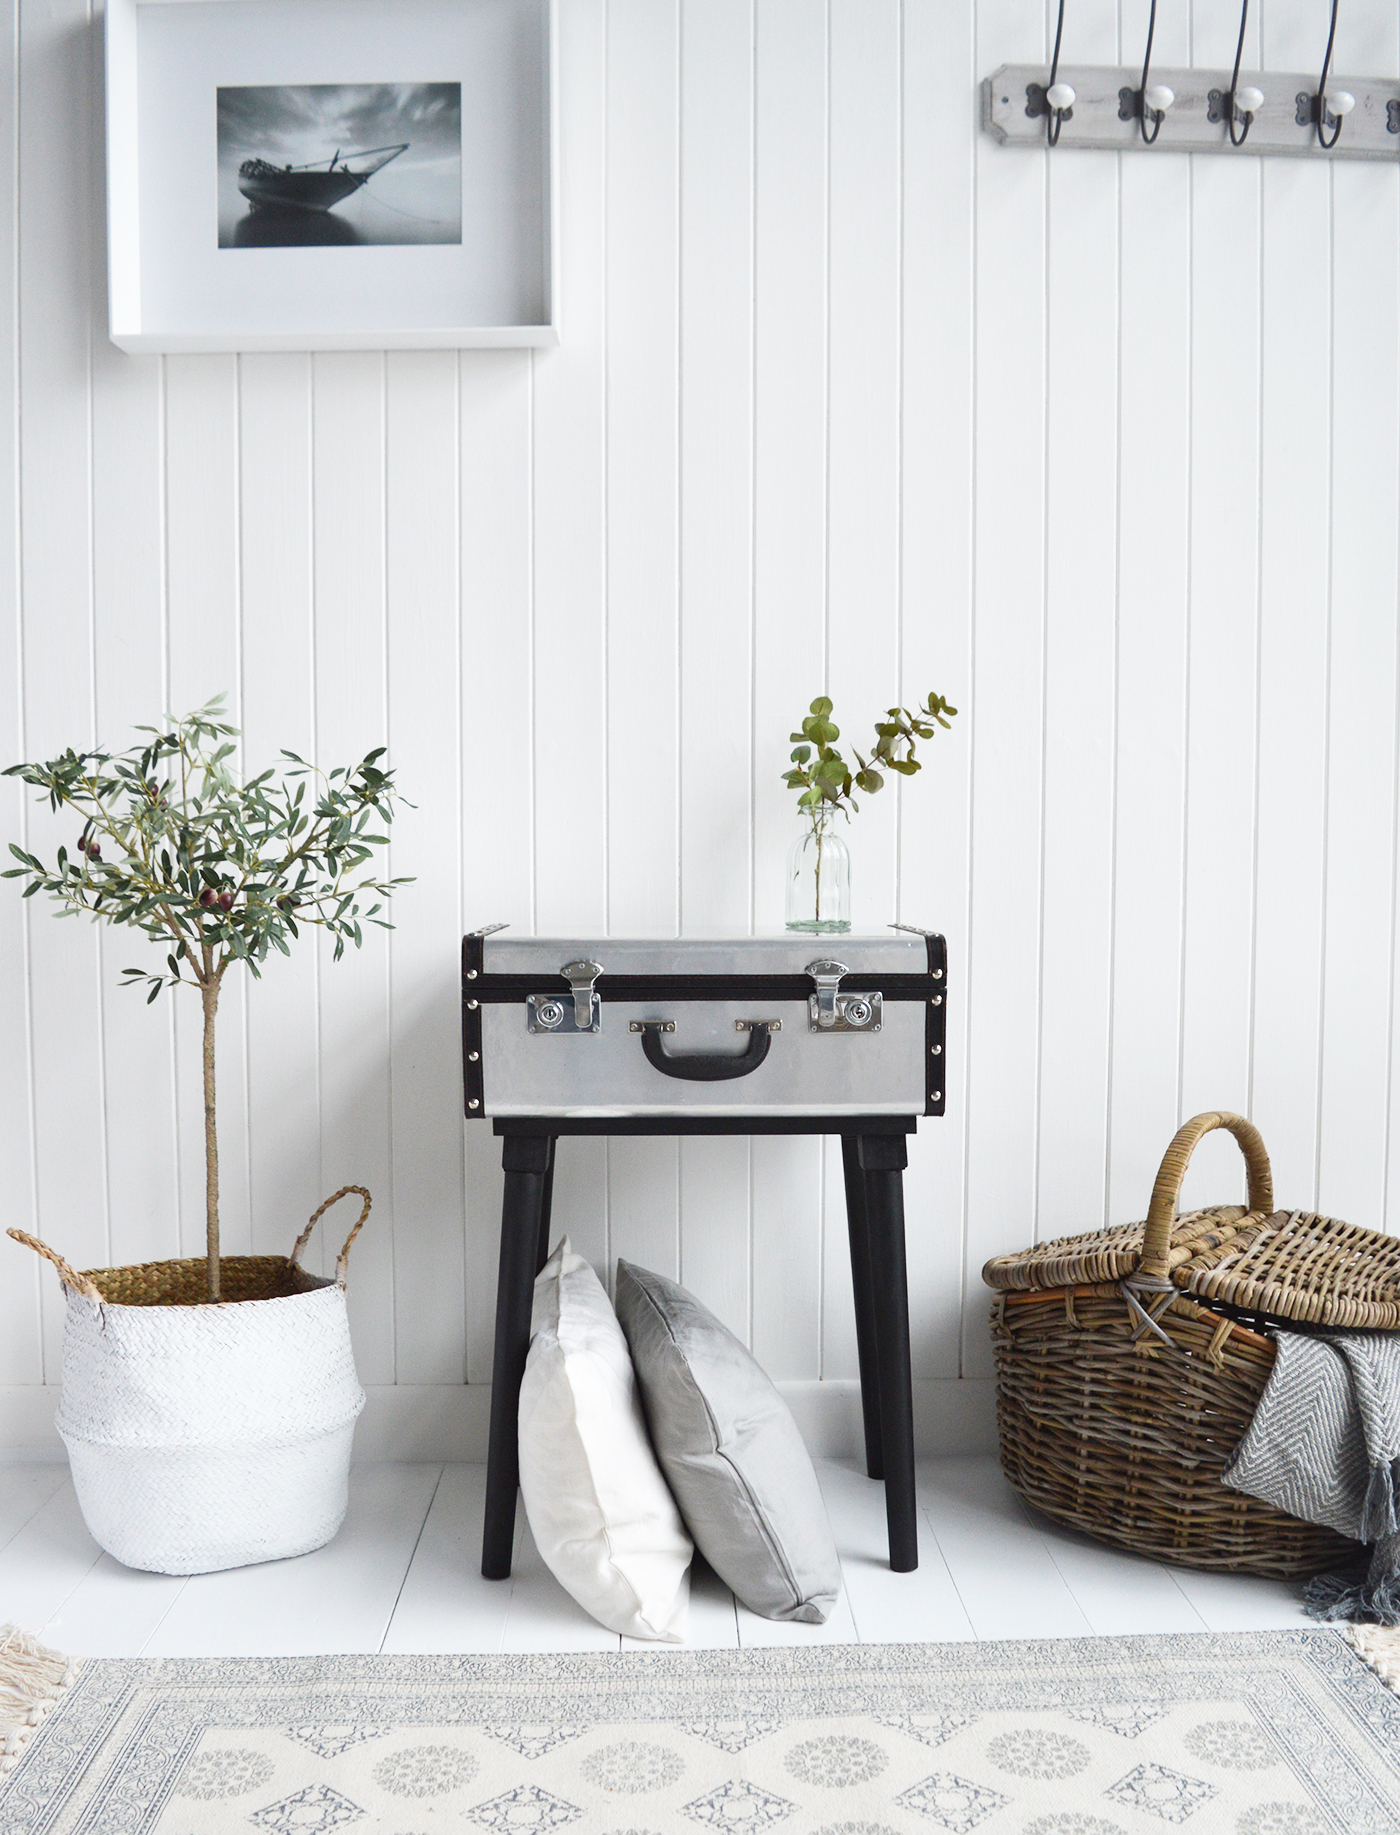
<point>1129,1362</point>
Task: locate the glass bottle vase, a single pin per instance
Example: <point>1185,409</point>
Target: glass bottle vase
<point>818,874</point>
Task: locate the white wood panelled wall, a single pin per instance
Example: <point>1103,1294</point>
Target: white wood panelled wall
<point>1104,448</point>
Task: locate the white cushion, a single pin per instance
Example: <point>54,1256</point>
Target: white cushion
<point>601,1513</point>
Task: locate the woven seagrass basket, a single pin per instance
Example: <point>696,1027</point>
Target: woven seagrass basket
<point>207,1435</point>
<point>1129,1362</point>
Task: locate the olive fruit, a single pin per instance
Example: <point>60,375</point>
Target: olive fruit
<point>226,901</point>
<point>207,897</point>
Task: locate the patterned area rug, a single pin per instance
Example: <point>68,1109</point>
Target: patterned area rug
<point>1272,1733</point>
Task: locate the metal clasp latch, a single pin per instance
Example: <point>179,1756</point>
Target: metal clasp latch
<point>553,1013</point>
<point>580,977</point>
<point>822,1004</point>
<point>829,1010</point>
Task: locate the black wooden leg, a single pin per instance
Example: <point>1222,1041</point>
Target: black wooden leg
<point>859,1231</point>
<point>527,1162</point>
<point>546,1205</point>
<point>883,1158</point>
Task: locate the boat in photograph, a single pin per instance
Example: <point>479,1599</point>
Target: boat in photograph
<point>316,187</point>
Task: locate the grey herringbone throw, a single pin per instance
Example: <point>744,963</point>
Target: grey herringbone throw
<point>1324,1445</point>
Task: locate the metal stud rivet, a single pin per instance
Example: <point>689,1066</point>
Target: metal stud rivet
<point>472,1005</point>
<point>475,1056</point>
<point>938,974</point>
<point>938,1095</point>
<point>935,1049</point>
<point>473,1104</point>
<point>937,1000</point>
<point>471,974</point>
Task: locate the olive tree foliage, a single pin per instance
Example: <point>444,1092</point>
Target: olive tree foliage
<point>213,869</point>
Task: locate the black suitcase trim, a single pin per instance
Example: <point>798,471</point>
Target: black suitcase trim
<point>498,990</point>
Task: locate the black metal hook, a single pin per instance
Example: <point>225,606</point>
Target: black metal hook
<point>1233,116</point>
<point>1143,111</point>
<point>1321,116</point>
<point>1054,113</point>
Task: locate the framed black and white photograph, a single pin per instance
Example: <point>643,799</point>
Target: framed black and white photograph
<point>279,188</point>
<point>330,174</point>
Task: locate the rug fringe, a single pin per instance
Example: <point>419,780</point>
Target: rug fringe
<point>1379,1647</point>
<point>31,1681</point>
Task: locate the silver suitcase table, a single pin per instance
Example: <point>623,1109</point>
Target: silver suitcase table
<point>753,1035</point>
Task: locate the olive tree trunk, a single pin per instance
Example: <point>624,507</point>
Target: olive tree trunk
<point>209,997</point>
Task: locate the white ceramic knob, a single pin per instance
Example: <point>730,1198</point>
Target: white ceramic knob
<point>1341,101</point>
<point>1249,101</point>
<point>1159,98</point>
<point>1060,95</point>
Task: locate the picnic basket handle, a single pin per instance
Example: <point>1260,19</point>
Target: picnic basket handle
<point>66,1272</point>
<point>316,1216</point>
<point>1161,1214</point>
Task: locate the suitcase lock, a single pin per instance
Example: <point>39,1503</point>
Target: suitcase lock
<point>579,1011</point>
<point>829,1010</point>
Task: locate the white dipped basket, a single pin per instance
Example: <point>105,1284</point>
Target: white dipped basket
<point>209,1436</point>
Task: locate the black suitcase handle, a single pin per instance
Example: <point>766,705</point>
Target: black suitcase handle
<point>698,1067</point>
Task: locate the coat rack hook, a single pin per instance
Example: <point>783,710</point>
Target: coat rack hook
<point>1329,109</point>
<point>1241,105</point>
<point>1149,105</point>
<point>1059,97</point>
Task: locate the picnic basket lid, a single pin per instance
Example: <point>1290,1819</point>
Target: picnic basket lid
<point>1293,1264</point>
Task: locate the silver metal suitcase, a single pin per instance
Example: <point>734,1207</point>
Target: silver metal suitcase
<point>774,1026</point>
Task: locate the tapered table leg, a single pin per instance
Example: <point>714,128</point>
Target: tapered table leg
<point>883,1158</point>
<point>546,1206</point>
<point>858,1229</point>
<point>528,1162</point>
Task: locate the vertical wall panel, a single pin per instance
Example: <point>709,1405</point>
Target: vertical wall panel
<point>935,589</point>
<point>498,716</point>
<point>351,717</point>
<point>849,400</point>
<point>129,653</point>
<point>274,451</point>
<point>1361,812</point>
<point>864,166</point>
<point>421,561</point>
<point>1006,688</point>
<point>642,691</point>
<point>21,1353</point>
<point>55,283</point>
<point>716,576</point>
<point>789,517</point>
<point>205,659</point>
<point>1153,526</point>
<point>1081,641</point>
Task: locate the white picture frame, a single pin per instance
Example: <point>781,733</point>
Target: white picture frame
<point>173,288</point>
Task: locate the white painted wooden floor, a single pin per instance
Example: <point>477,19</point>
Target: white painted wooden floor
<point>402,1576</point>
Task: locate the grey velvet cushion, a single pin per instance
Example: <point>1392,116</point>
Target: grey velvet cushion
<point>731,1452</point>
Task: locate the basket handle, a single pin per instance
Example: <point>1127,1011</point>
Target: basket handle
<point>1161,1214</point>
<point>66,1273</point>
<point>316,1216</point>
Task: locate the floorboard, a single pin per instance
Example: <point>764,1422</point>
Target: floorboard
<point>46,1561</point>
<point>1244,1602</point>
<point>1008,1585</point>
<point>337,1600</point>
<point>24,1490</point>
<point>1120,1594</point>
<point>114,1611</point>
<point>542,1616</point>
<point>888,1608</point>
<point>445,1605</point>
<point>403,1576</point>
